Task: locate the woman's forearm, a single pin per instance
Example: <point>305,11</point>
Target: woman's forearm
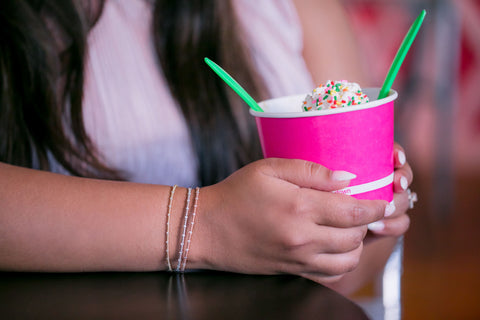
<point>263,219</point>
<point>51,222</point>
<point>330,48</point>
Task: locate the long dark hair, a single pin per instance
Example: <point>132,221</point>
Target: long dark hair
<point>42,49</point>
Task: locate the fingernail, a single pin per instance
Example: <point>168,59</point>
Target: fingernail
<point>376,226</point>
<point>343,175</point>
<point>403,183</point>
<point>390,209</point>
<point>401,157</point>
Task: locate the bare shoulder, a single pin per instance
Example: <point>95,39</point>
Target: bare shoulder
<point>330,49</point>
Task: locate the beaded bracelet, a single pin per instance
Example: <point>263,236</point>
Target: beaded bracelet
<point>187,208</point>
<point>192,223</point>
<point>167,232</point>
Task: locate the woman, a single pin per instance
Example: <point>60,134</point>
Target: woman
<point>106,92</point>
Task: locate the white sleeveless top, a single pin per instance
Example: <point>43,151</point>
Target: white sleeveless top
<point>128,111</point>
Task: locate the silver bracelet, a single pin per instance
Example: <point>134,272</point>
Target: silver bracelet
<point>187,208</point>
<point>167,232</point>
<point>189,235</point>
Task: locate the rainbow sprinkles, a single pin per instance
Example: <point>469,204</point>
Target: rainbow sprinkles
<point>334,94</point>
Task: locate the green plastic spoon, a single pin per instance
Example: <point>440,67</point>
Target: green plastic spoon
<point>234,85</point>
<point>400,56</point>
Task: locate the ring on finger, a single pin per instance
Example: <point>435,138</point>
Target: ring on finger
<point>412,198</point>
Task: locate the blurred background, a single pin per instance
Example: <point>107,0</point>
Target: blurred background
<point>438,123</point>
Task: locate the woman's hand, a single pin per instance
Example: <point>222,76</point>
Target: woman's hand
<point>384,234</point>
<point>397,223</point>
<point>279,216</point>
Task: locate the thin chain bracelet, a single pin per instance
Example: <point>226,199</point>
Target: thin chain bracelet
<point>182,243</point>
<point>189,235</point>
<point>167,232</point>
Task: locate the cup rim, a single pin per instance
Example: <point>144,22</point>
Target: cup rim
<point>392,95</point>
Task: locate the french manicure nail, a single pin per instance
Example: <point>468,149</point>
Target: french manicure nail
<point>343,175</point>
<point>390,209</point>
<point>376,226</point>
<point>403,183</point>
<point>401,157</point>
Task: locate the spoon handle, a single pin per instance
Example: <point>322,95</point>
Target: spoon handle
<point>234,85</point>
<point>400,56</point>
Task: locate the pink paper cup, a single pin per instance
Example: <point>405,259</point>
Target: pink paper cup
<point>357,139</point>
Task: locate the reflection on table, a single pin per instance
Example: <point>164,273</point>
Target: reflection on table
<point>196,295</point>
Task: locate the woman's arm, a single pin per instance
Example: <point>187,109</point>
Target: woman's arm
<point>51,222</point>
<point>329,46</point>
<point>272,216</point>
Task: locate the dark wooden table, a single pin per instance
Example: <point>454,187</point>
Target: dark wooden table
<point>160,295</point>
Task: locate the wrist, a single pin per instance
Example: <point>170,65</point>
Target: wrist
<point>200,252</point>
<point>186,236</point>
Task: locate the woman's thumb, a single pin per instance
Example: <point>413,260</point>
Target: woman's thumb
<point>308,174</point>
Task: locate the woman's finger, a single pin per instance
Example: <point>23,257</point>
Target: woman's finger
<point>329,240</point>
<point>400,157</point>
<point>340,211</point>
<point>402,178</point>
<point>306,174</point>
<point>401,203</point>
<point>329,265</point>
<point>394,227</point>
